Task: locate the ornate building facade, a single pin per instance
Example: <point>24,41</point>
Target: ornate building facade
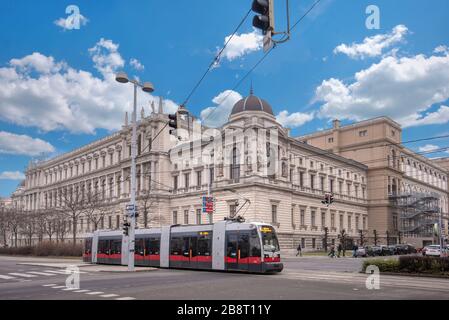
<point>251,166</point>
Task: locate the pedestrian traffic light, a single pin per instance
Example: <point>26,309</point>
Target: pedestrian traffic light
<point>265,18</point>
<point>126,226</point>
<point>173,123</point>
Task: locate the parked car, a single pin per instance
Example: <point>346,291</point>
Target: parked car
<point>376,251</point>
<point>432,250</point>
<point>361,252</point>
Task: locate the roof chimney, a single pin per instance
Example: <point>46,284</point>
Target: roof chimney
<point>336,123</point>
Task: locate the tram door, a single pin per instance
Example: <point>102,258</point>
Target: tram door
<point>237,250</point>
<point>190,252</point>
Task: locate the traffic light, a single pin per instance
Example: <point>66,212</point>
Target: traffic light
<point>173,123</point>
<point>126,226</point>
<point>328,199</point>
<point>265,18</point>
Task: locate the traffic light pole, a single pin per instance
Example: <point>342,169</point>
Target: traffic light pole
<point>132,213</point>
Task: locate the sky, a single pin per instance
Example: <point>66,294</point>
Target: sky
<point>57,88</point>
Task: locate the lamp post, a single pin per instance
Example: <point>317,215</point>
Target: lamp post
<point>146,87</point>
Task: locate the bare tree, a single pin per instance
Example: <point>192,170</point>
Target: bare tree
<point>28,226</point>
<point>95,209</point>
<point>4,225</point>
<point>51,219</point>
<point>15,221</point>
<point>147,200</point>
<point>41,224</point>
<point>72,206</point>
<point>60,226</point>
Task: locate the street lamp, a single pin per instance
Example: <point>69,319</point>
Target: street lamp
<point>122,77</point>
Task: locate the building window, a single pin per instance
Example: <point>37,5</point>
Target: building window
<point>349,223</point>
<point>303,243</point>
<point>363,133</point>
<point>175,217</point>
<point>395,222</point>
<point>198,216</point>
<point>110,222</point>
<point>323,219</point>
<point>364,223</point>
<point>117,221</point>
<point>312,181</point>
<point>301,179</point>
<point>293,215</point>
<point>274,213</point>
<point>313,218</point>
<point>357,226</point>
<point>235,167</point>
<point>111,159</point>
<point>341,222</point>
<point>199,178</point>
<point>186,180</point>
<point>313,243</point>
<point>322,183</point>
<point>186,216</point>
<point>331,140</point>
<point>211,175</point>
<point>175,183</point>
<point>332,220</point>
<point>303,217</point>
<point>232,210</point>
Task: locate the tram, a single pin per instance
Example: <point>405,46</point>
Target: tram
<point>227,245</point>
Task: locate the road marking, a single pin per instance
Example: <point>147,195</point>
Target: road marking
<point>42,273</point>
<point>56,271</point>
<point>109,295</point>
<point>24,275</point>
<point>81,291</point>
<point>58,287</point>
<point>69,289</point>
<point>49,285</point>
<point>6,277</point>
<point>126,298</point>
<point>95,293</point>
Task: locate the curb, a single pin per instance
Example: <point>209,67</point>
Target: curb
<point>126,271</point>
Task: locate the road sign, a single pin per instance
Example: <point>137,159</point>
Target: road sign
<point>208,204</point>
<point>267,42</point>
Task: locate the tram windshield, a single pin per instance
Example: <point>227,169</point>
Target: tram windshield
<point>269,239</point>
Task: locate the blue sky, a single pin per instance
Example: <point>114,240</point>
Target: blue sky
<point>56,92</point>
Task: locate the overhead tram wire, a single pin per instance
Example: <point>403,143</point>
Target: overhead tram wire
<point>263,58</point>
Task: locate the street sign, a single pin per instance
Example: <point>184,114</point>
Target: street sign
<point>208,204</point>
<point>129,207</point>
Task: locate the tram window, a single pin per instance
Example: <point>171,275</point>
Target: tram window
<point>116,246</point>
<point>254,242</point>
<point>176,246</point>
<point>103,246</point>
<point>269,239</point>
<point>139,249</point>
<point>87,246</point>
<point>204,245</point>
<point>152,246</point>
<point>186,246</point>
<point>232,246</point>
<point>244,245</point>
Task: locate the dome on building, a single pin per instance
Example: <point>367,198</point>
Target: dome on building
<point>252,103</point>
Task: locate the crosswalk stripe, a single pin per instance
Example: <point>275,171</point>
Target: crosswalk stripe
<point>58,287</point>
<point>24,275</point>
<point>109,295</point>
<point>49,285</point>
<point>81,291</point>
<point>126,298</point>
<point>56,271</point>
<point>95,293</point>
<point>69,289</point>
<point>42,273</point>
<point>6,277</point>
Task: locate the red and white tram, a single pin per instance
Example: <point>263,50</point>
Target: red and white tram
<point>225,246</point>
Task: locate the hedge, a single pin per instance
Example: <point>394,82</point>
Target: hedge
<point>45,249</point>
<point>411,264</point>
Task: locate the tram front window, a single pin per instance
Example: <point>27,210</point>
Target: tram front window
<point>269,239</point>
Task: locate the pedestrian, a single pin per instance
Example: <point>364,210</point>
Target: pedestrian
<point>339,250</point>
<point>299,250</point>
<point>354,251</point>
<point>332,252</point>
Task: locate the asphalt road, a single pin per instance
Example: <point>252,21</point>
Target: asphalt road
<point>302,278</point>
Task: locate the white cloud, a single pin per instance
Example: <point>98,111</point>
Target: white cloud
<point>37,91</point>
<point>12,175</point>
<point>428,148</point>
<point>15,144</point>
<point>242,44</point>
<point>441,49</point>
<point>136,64</point>
<point>373,46</point>
<point>218,115</point>
<point>401,88</point>
<point>293,120</point>
<point>66,23</point>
